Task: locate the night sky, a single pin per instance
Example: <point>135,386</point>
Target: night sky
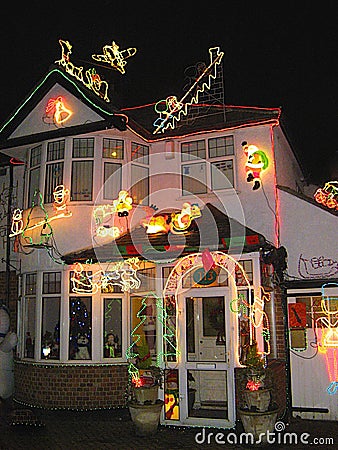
<point>275,55</point>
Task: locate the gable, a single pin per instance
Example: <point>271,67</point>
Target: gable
<point>57,109</point>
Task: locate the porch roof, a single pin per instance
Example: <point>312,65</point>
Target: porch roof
<point>213,230</point>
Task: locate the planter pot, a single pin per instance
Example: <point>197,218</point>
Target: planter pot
<point>146,394</point>
<point>258,423</point>
<point>146,417</point>
<point>257,400</point>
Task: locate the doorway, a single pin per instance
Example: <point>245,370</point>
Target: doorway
<point>206,370</point>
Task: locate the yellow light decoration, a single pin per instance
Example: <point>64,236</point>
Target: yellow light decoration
<point>61,197</point>
<point>114,57</point>
<point>171,109</point>
<point>179,222</point>
<point>91,79</point>
<point>327,325</point>
<point>57,110</point>
<point>121,273</point>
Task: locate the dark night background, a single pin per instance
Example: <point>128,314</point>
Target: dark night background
<point>276,54</point>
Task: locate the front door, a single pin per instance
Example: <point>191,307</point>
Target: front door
<point>206,371</point>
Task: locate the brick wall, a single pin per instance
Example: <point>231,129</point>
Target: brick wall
<point>13,295</point>
<point>81,387</point>
<point>280,329</point>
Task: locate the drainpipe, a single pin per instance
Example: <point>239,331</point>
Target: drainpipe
<point>287,355</point>
<point>8,243</point>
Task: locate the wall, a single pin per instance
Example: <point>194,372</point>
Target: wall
<point>78,387</point>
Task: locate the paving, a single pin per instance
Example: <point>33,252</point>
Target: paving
<point>35,429</point>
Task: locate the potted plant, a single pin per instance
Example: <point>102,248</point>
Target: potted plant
<point>144,382</point>
<point>258,413</point>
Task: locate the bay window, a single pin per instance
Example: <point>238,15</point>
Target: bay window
<point>82,169</point>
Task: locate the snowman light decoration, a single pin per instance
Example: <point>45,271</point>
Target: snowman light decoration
<point>8,340</point>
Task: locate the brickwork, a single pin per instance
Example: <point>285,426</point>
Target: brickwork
<point>80,387</point>
<point>279,321</point>
<point>13,295</point>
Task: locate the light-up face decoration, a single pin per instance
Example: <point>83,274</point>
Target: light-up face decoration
<point>57,112</point>
<point>61,198</point>
<point>177,223</point>
<point>90,78</point>
<point>170,110</point>
<point>114,57</point>
<point>256,163</point>
<point>328,195</point>
<point>122,273</point>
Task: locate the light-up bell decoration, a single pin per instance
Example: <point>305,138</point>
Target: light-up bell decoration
<point>57,111</point>
<point>114,57</point>
<point>256,163</point>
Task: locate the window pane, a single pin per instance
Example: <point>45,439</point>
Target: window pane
<point>193,150</point>
<point>83,148</point>
<point>35,159</point>
<point>80,327</point>
<point>140,153</point>
<point>112,180</point>
<point>52,283</point>
<point>30,287</point>
<point>82,180</point>
<point>113,148</point>
<point>140,184</point>
<point>50,331</point>
<point>34,178</point>
<point>29,326</point>
<point>147,330</point>
<point>112,338</point>
<point>222,175</point>
<point>222,146</point>
<point>53,178</point>
<point>194,179</point>
<point>55,150</point>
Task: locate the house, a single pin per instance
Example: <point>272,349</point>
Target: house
<point>167,223</point>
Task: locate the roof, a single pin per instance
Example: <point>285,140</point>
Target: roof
<point>199,118</point>
<point>213,230</point>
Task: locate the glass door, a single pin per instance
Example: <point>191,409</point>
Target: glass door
<point>207,386</point>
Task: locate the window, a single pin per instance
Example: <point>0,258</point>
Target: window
<point>50,323</point>
<point>315,314</point>
<point>112,180</point>
<point>139,184</point>
<point>82,171</point>
<point>34,173</point>
<point>222,170</point>
<point>147,330</point>
<point>54,168</point>
<point>80,328</point>
<point>198,175</point>
<point>112,331</point>
<point>140,153</point>
<point>29,309</point>
<point>113,148</point>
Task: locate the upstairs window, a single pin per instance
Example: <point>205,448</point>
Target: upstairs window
<point>54,168</point>
<point>82,169</point>
<point>113,149</point>
<point>34,173</point>
<point>221,151</point>
<point>140,173</point>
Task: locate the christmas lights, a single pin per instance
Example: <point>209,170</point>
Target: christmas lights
<point>257,161</point>
<point>328,195</point>
<point>57,112</point>
<point>91,80</point>
<point>61,197</point>
<point>121,273</point>
<point>171,109</point>
<point>114,57</point>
